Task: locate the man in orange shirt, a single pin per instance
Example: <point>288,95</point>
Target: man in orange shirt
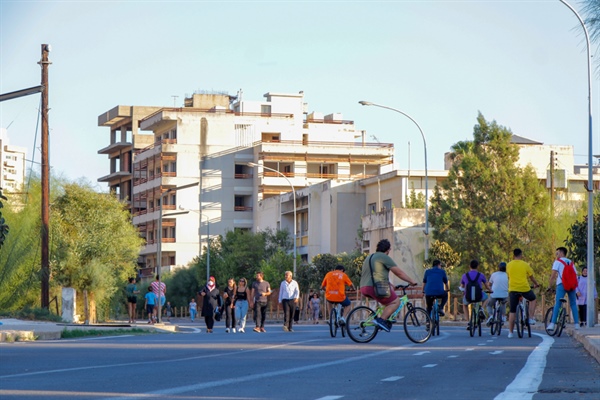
<point>334,284</point>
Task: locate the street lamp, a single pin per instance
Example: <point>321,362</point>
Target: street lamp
<point>591,310</point>
<point>368,103</point>
<point>207,239</point>
<point>254,165</point>
<point>159,238</point>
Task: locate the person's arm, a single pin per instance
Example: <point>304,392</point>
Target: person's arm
<point>281,289</point>
<point>552,280</point>
<point>402,275</point>
<point>268,292</point>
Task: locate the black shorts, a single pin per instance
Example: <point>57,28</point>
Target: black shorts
<point>132,299</point>
<point>515,296</point>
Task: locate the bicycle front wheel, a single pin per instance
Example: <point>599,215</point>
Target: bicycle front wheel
<point>360,326</point>
<point>417,325</point>
<point>436,322</point>
<point>519,320</point>
<point>547,320</point>
<point>333,322</point>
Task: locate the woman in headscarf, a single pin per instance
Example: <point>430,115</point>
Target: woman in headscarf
<point>211,299</point>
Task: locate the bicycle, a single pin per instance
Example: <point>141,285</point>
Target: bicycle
<point>497,320</point>
<point>335,320</point>
<point>477,316</point>
<point>417,324</point>
<point>522,317</point>
<point>561,320</point>
<point>435,316</point>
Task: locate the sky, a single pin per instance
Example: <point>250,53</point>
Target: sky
<point>520,63</point>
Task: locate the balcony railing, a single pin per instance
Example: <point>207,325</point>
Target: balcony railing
<point>242,208</point>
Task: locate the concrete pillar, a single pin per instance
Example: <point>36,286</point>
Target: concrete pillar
<point>69,308</point>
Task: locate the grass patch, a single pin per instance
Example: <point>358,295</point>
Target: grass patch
<point>32,314</point>
<point>78,333</point>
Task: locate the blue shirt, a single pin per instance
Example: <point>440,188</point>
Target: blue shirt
<point>434,280</point>
<point>151,297</point>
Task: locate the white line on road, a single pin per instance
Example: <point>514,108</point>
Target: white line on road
<point>470,349</point>
<point>392,379</point>
<point>420,353</point>
<point>452,356</point>
<point>497,352</point>
<point>482,344</point>
<point>429,365</point>
<point>330,398</point>
<point>527,381</point>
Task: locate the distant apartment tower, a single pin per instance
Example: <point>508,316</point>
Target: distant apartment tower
<point>211,140</point>
<point>13,164</point>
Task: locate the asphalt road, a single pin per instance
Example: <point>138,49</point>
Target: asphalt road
<point>305,364</point>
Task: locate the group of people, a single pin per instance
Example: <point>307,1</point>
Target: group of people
<point>156,292</point>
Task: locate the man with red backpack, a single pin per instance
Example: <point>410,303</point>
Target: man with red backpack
<point>565,277</point>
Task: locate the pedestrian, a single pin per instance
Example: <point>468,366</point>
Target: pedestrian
<point>478,279</point>
<point>582,296</point>
<point>499,283</point>
<point>519,272</point>
<point>556,276</point>
<point>211,299</point>
<point>132,291</point>
<point>435,283</point>
<point>315,307</point>
<point>193,309</point>
<point>261,290</point>
<point>160,291</point>
<point>242,300</point>
<point>308,313</point>
<point>228,305</point>
<point>150,301</point>
<point>168,311</point>
<point>289,292</point>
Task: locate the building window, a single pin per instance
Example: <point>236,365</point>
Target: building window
<point>265,109</point>
<point>386,205</point>
<point>171,260</point>
<point>372,208</point>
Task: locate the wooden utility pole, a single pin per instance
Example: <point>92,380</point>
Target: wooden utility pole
<point>45,275</point>
<point>552,183</point>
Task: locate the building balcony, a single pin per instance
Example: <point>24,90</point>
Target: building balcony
<point>115,175</point>
<point>113,147</point>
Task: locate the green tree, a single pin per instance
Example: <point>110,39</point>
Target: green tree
<point>443,252</point>
<point>95,245</point>
<point>415,200</point>
<point>577,242</point>
<point>489,205</point>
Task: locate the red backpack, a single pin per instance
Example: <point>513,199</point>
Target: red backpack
<point>569,276</point>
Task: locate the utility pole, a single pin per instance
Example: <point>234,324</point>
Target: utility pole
<point>552,183</point>
<point>45,275</point>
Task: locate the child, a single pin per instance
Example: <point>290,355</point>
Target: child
<point>149,304</point>
<point>168,311</point>
<point>193,309</point>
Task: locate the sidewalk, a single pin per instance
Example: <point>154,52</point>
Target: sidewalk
<point>13,330</point>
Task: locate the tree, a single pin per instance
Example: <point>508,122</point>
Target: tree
<point>443,252</point>
<point>489,205</point>
<point>3,225</point>
<point>577,241</point>
<point>415,200</point>
<point>95,245</point>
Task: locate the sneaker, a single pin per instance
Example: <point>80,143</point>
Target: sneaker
<point>285,329</point>
<point>510,335</point>
<point>226,330</point>
<point>257,329</point>
<point>381,324</point>
<point>532,321</point>
<point>576,326</point>
<point>290,330</point>
<point>489,321</point>
<point>233,330</point>
<point>242,330</point>
<point>342,321</point>
<point>550,326</point>
<point>262,329</point>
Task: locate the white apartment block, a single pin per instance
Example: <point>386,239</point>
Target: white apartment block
<point>210,141</point>
<point>13,164</point>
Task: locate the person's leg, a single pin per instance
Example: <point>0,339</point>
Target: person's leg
<point>286,313</point>
<point>390,308</point>
<point>263,316</point>
<point>258,319</point>
<point>514,301</point>
<point>582,313</point>
<point>573,303</point>
<point>429,303</point>
<point>560,293</point>
<point>243,314</point>
<point>444,301</point>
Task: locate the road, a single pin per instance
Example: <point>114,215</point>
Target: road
<point>305,364</point>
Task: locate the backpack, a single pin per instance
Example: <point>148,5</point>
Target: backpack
<point>473,292</point>
<point>569,276</point>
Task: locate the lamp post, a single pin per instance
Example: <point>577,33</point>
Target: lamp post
<point>368,103</point>
<point>591,313</point>
<point>254,165</point>
<point>159,239</point>
<point>207,239</point>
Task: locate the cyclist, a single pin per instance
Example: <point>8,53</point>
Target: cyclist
<point>334,284</point>
<point>518,272</point>
<point>436,285</point>
<point>480,280</point>
<point>382,264</point>
<point>556,278</point>
<point>499,282</point>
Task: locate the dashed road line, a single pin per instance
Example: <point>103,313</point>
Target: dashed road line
<point>392,379</point>
<point>429,365</point>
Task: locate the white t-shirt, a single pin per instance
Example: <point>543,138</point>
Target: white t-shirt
<point>499,281</point>
<point>558,266</point>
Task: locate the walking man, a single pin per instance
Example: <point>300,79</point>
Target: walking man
<point>289,293</point>
<point>261,289</point>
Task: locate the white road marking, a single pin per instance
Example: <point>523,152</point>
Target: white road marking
<point>497,352</point>
<point>470,349</point>
<point>392,379</point>
<point>452,356</point>
<point>429,365</point>
<point>489,341</point>
<point>330,398</point>
<point>527,381</point>
<point>482,344</point>
<point>420,353</point>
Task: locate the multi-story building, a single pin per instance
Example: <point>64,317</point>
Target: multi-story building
<point>210,141</point>
<point>13,164</point>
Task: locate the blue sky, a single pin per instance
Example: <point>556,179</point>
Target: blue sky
<point>521,63</point>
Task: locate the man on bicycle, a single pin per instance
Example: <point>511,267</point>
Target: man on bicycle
<point>479,279</point>
<point>499,282</point>
<point>519,272</point>
<point>556,279</point>
<point>334,284</point>
<point>436,285</point>
<point>376,268</point>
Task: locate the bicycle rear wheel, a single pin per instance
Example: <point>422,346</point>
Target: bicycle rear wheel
<point>333,322</point>
<point>527,324</point>
<point>473,322</point>
<point>561,321</point>
<point>497,325</point>
<point>519,320</point>
<point>479,320</point>
<point>359,325</point>
<point>417,325</point>
<point>547,320</point>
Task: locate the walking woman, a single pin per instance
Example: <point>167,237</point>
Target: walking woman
<point>132,292</point>
<point>228,300</point>
<point>242,303</point>
<point>315,307</point>
<point>210,301</point>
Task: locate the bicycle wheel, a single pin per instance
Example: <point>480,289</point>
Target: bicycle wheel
<point>333,322</point>
<point>497,325</point>
<point>519,320</point>
<point>417,325</point>
<point>561,321</point>
<point>437,323</point>
<point>479,319</point>
<point>359,325</point>
<point>433,320</point>
<point>527,324</point>
<point>547,320</point>
<point>473,322</point>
